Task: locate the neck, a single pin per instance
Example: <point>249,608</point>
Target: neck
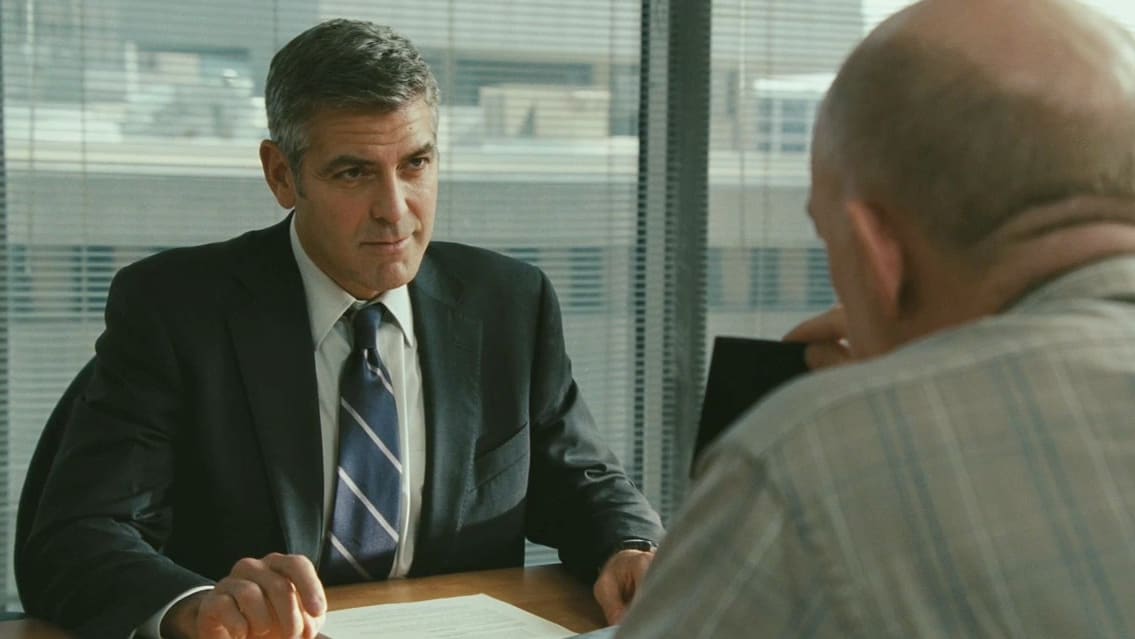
<point>952,289</point>
<point>1047,241</point>
<point>1029,263</point>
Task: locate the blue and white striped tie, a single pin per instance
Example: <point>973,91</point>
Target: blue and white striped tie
<point>368,491</point>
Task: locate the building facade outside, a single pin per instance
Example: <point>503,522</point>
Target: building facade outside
<point>130,126</point>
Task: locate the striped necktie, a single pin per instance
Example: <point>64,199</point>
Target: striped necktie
<point>368,490</point>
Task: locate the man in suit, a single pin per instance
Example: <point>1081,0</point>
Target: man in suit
<point>202,482</point>
<point>970,473</point>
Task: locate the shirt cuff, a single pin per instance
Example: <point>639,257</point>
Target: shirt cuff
<point>152,627</point>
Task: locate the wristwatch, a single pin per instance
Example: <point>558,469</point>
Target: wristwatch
<point>636,543</point>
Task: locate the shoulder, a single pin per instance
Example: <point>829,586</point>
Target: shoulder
<point>204,268</point>
<point>841,404</point>
<point>969,374</point>
<point>456,256</point>
<point>482,270</point>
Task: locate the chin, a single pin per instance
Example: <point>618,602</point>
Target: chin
<point>393,277</point>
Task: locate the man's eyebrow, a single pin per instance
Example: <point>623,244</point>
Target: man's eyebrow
<point>347,160</point>
<point>429,148</point>
<point>343,161</point>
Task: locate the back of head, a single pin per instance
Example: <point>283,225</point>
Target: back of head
<point>342,64</point>
<point>965,115</point>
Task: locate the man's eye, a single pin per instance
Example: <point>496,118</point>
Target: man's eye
<point>352,173</point>
<point>419,162</point>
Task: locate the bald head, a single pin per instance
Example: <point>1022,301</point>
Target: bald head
<point>968,115</point>
<point>1025,44</point>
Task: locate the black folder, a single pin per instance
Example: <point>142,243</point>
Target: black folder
<point>741,372</point>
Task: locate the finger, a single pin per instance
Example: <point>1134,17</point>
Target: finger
<point>619,580</point>
<point>250,603</point>
<point>828,326</point>
<point>826,354</point>
<point>277,590</point>
<point>617,615</point>
<point>215,631</point>
<point>609,597</point>
<point>312,625</point>
<point>635,573</point>
<point>219,618</point>
<point>301,573</point>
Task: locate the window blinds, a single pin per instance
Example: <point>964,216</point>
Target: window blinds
<point>772,61</point>
<point>131,126</point>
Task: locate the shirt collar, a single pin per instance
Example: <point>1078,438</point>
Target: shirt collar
<point>327,301</point>
<point>1109,278</point>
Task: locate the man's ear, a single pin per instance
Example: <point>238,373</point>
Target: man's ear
<point>278,174</point>
<point>883,261</point>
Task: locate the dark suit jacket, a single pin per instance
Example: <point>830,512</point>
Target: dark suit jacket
<point>198,439</point>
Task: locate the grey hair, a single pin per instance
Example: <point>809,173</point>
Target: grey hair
<point>342,64</point>
<point>919,127</point>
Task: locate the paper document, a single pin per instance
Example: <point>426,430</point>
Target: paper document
<point>471,617</point>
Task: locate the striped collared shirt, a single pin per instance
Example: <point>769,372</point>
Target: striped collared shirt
<point>977,483</point>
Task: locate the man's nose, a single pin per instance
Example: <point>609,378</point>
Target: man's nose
<point>389,202</point>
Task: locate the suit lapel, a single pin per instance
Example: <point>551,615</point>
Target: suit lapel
<point>449,349</point>
<point>272,339</point>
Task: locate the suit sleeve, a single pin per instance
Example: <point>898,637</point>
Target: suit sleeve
<point>580,499</point>
<point>92,561</point>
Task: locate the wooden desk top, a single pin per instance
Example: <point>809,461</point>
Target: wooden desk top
<point>547,591</point>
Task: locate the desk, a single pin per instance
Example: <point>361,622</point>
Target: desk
<point>547,591</point>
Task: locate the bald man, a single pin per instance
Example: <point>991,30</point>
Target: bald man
<point>972,472</point>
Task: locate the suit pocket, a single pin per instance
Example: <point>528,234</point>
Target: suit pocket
<point>492,463</point>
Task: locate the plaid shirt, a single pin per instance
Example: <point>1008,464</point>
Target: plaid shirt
<point>979,482</point>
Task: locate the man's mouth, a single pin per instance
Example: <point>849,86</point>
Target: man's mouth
<point>387,245</point>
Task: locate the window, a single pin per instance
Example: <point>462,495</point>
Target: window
<point>772,61</point>
<point>131,126</point>
<point>780,56</point>
<point>764,278</point>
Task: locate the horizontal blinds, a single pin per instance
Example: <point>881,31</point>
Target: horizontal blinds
<point>772,61</point>
<point>131,126</point>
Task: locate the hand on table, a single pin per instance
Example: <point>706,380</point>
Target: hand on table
<point>826,336</point>
<point>277,597</point>
<point>619,580</point>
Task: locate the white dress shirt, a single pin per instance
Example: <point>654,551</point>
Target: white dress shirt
<point>398,348</point>
<point>331,344</point>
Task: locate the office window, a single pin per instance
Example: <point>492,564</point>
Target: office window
<point>765,287</point>
<point>817,286</point>
<point>716,267</point>
<point>779,57</point>
<point>586,292</point>
<point>132,125</point>
<point>471,75</point>
<point>772,61</point>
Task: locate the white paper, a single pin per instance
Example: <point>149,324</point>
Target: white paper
<point>471,617</point>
